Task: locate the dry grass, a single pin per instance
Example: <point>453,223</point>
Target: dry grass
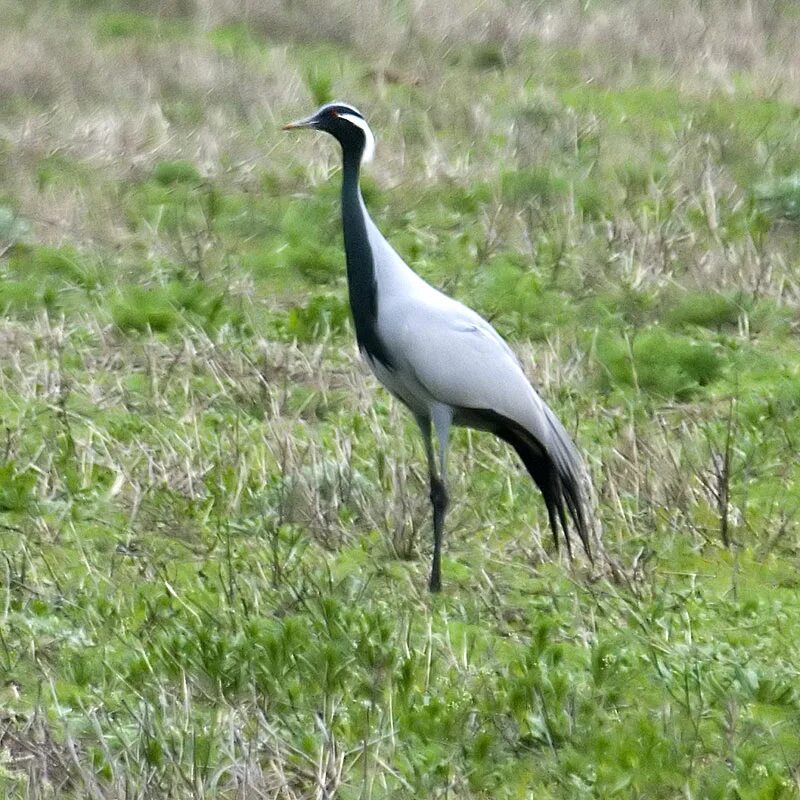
<point>705,42</point>
<point>112,106</point>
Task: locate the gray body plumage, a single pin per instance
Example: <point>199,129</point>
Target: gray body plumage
<point>445,362</point>
<point>448,355</point>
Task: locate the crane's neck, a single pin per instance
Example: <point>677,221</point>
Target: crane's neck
<point>361,278</point>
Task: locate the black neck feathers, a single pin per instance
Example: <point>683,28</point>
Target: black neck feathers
<point>361,278</point>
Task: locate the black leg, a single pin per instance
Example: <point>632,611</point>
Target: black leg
<point>439,501</point>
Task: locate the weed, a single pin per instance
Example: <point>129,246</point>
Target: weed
<point>16,489</point>
<point>320,318</point>
<point>169,173</point>
<point>660,363</point>
<point>142,309</point>
<point>236,39</point>
<point>320,86</point>
<point>780,196</point>
<point>708,310</point>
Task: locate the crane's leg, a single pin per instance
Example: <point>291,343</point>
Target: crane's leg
<point>442,418</point>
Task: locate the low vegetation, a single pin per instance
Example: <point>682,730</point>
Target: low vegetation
<point>214,527</point>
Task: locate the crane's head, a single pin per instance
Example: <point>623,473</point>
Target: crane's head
<point>345,123</point>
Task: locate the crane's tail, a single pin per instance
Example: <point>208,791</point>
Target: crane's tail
<point>560,485</point>
<point>554,465</point>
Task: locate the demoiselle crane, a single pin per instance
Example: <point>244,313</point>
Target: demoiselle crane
<point>446,363</point>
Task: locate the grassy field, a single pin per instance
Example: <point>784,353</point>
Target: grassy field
<point>214,526</point>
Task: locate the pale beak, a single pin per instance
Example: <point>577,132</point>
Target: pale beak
<point>308,122</point>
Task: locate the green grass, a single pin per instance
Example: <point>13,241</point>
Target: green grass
<point>214,526</point>
<point>122,25</point>
<point>659,363</point>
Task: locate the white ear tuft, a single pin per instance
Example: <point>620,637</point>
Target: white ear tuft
<point>369,144</point>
